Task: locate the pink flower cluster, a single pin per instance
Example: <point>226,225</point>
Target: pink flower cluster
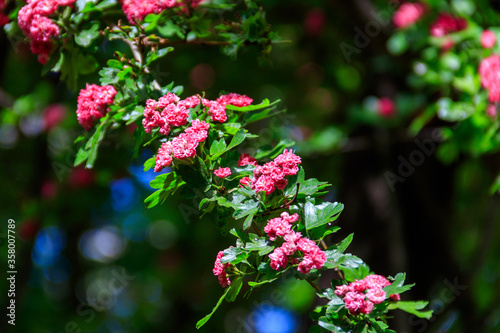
<point>446,23</point>
<point>488,39</point>
<point>489,70</point>
<point>385,107</point>
<point>313,258</point>
<point>220,270</point>
<point>170,111</point>
<point>222,172</point>
<point>360,296</point>
<point>93,102</point>
<point>271,175</point>
<point>139,9</point>
<point>408,14</point>
<point>182,146</point>
<point>4,19</point>
<point>217,108</point>
<point>35,24</point>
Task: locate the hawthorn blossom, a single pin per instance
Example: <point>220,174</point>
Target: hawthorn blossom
<point>93,103</point>
<point>446,24</point>
<point>4,19</point>
<point>184,146</point>
<point>385,107</point>
<point>491,111</point>
<point>245,181</point>
<point>198,130</point>
<point>245,159</point>
<point>222,172</point>
<point>488,39</point>
<point>408,14</point>
<point>234,99</point>
<point>360,296</point>
<point>488,70</point>
<point>164,156</point>
<point>220,270</point>
<point>34,21</point>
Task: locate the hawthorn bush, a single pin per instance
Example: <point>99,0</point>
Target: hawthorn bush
<point>248,186</point>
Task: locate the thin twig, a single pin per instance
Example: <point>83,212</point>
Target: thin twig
<point>314,285</point>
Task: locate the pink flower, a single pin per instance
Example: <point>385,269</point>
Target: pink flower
<point>385,107</point>
<point>376,295</point>
<point>395,297</point>
<point>198,130</point>
<point>93,103</point>
<point>245,159</point>
<point>358,286</point>
<point>278,259</point>
<point>139,9</point>
<point>288,161</point>
<point>289,248</point>
<point>306,245</point>
<point>152,118</point>
<point>263,183</point>
<point>293,236</point>
<point>53,115</point>
<point>366,308</point>
<point>184,146</point>
<point>446,23</point>
<point>245,181</point>
<point>217,112</point>
<point>175,115</point>
<point>341,290</point>
<point>166,100</point>
<point>220,270</point>
<point>408,14</point>
<point>234,99</point>
<point>305,265</point>
<point>222,172</point>
<point>277,227</point>
<point>489,70</point>
<point>190,102</point>
<point>375,281</point>
<point>488,39</point>
<point>289,218</point>
<point>164,156</point>
<point>491,111</point>
<point>353,301</point>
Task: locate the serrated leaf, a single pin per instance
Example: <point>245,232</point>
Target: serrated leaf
<point>85,37</point>
<point>217,148</point>
<point>318,215</point>
<point>157,54</point>
<point>233,255</point>
<point>398,287</point>
<point>412,307</point>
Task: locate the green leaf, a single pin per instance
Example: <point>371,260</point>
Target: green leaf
<point>135,114</point>
<point>150,163</point>
<point>202,321</point>
<point>238,138</point>
<point>235,288</point>
<point>261,282</point>
<point>264,104</point>
<point>344,244</point>
<point>318,215</point>
<point>218,148</point>
<point>81,156</point>
<point>106,4</point>
<point>85,37</point>
<point>157,55</point>
<point>412,307</point>
<point>397,286</point>
<point>233,255</point>
<point>167,184</point>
